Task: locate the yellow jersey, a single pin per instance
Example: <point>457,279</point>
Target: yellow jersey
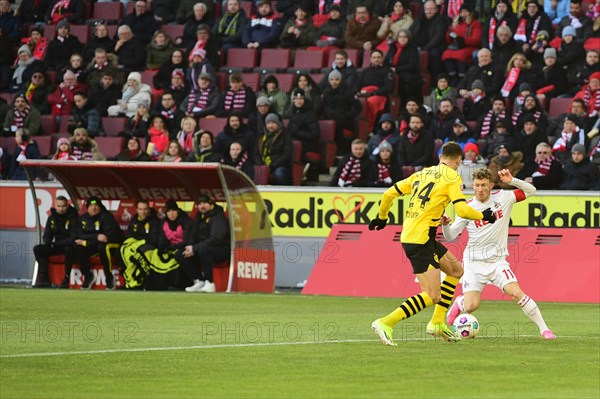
<point>431,190</point>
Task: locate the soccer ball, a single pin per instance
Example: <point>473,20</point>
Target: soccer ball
<point>467,326</point>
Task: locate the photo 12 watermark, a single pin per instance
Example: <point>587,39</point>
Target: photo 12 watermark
<point>50,332</point>
<point>267,332</point>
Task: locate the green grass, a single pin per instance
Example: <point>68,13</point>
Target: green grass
<point>163,344</point>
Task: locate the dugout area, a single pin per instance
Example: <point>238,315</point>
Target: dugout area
<point>121,184</point>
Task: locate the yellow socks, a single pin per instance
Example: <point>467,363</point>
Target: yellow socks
<point>448,286</point>
<point>410,307</point>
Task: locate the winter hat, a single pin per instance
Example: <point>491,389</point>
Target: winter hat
<point>550,53</point>
<point>384,145</point>
<point>573,118</point>
<point>459,121</point>
<point>206,76</point>
<point>530,118</point>
<point>595,75</point>
<point>387,117</point>
<point>177,72</point>
<point>135,76</point>
<point>272,118</point>
<point>471,147</point>
<point>524,87</point>
<point>199,52</point>
<point>503,147</point>
<point>61,141</point>
<point>533,2</point>
<point>204,198</point>
<point>24,49</point>
<point>93,200</point>
<point>477,84</point>
<point>298,93</point>
<point>543,34</point>
<point>262,100</point>
<point>63,23</point>
<point>171,205</point>
<point>271,79</point>
<point>580,148</point>
<point>144,102</point>
<point>568,31</point>
<point>336,8</point>
<point>335,74</point>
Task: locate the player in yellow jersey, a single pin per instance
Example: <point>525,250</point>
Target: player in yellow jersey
<point>430,190</point>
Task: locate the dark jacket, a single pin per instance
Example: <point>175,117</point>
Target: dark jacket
<point>60,229</point>
<point>147,229</point>
<point>419,153</point>
<point>334,28</point>
<point>39,100</point>
<point>554,76</point>
<point>165,10</point>
<point>491,76</point>
<point>394,169</point>
<point>162,79</point>
<point>429,34</point>
<point>304,126</point>
<point>244,163</point>
<point>104,98</point>
<point>125,156</point>
<point>132,55</point>
<point>89,50</point>
<point>249,103</point>
<point>75,12</point>
<point>256,31</point>
<point>366,171</point>
<point>501,53</point>
<point>382,77</point>
<point>88,117</point>
<point>211,228</point>
<point>89,227</point>
<point>442,127</point>
<point>392,136</point>
<point>341,106</point>
<point>212,103</point>
<point>58,53</point>
<point>244,135</point>
<point>16,170</point>
<point>189,29</point>
<point>580,176</point>
<point>32,13</point>
<point>349,77</point>
<point>280,151</point>
<point>527,143</point>
<point>143,27</point>
<point>407,67</point>
<point>549,181</point>
<point>220,27</point>
<point>182,220</point>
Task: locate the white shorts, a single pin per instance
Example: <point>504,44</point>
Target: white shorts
<point>478,274</point>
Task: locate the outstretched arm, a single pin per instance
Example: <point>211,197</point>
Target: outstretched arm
<point>524,189</point>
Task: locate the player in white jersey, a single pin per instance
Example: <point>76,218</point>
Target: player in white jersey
<point>484,258</point>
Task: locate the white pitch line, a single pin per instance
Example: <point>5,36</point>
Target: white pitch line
<point>258,344</point>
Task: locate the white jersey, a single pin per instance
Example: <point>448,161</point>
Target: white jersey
<point>488,242</point>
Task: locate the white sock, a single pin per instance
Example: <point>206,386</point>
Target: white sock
<point>531,310</point>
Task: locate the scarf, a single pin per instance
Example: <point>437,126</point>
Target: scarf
<point>129,92</point>
<point>412,136</point>
<point>235,100</point>
<point>186,140</point>
<point>454,8</point>
<point>299,22</point>
<point>239,163</point>
<point>199,45</point>
<point>560,145</point>
<point>20,116</point>
<point>517,115</point>
<point>544,166</point>
<point>198,100</point>
<point>171,158</point>
<point>521,34</point>
<point>266,151</point>
<point>322,5</point>
<point>63,156</point>
<point>40,49</point>
<point>397,55</point>
<point>351,172</point>
<point>174,234</point>
<point>169,113</point>
<point>492,31</point>
<point>159,138</point>
<point>383,174</point>
<point>366,21</point>
<point>486,125</point>
<point>228,28</point>
<point>439,94</point>
<point>263,21</point>
<point>21,66</point>
<point>100,67</point>
<point>58,10</point>
<point>510,82</point>
<point>587,95</point>
<point>203,154</point>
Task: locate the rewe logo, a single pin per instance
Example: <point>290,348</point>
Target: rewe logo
<point>252,270</point>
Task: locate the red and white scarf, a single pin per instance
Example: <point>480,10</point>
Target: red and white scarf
<point>560,145</point>
<point>57,12</point>
<point>454,8</point>
<point>169,113</point>
<point>351,172</point>
<point>19,116</point>
<point>186,140</point>
<point>383,174</point>
<point>492,31</point>
<point>412,136</point>
<point>587,95</point>
<point>235,100</point>
<point>198,100</point>
<point>517,115</point>
<point>486,125</point>
<point>322,5</point>
<point>544,166</point>
<point>510,82</point>
<point>239,164</point>
<point>521,34</point>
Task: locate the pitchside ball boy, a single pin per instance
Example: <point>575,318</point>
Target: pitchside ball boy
<point>431,190</point>
<point>485,255</point>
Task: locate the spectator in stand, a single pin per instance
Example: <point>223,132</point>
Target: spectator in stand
<point>105,92</point>
<point>263,29</point>
<point>85,115</point>
<point>470,163</point>
<point>99,40</point>
<point>344,66</point>
<point>442,90</point>
<point>578,172</point>
<point>461,134</point>
<point>505,159</point>
<point>298,32</point>
<point>22,116</point>
<point>60,48</point>
<point>62,99</point>
<point>375,83</point>
<point>556,9</point>
<point>535,53</point>
<point>361,31</point>
<point>26,149</point>
<point>463,38</point>
<point>403,58</point>
<point>413,107</point>
<point>133,92</point>
<point>37,43</point>
<point>9,23</point>
<point>518,71</point>
<point>531,106</point>
<point>204,101</point>
<point>228,29</point>
<point>203,148</point>
<point>590,94</point>
<point>72,11</point>
<point>386,170</point>
<point>133,152</point>
<point>476,105</point>
<point>256,122</point>
<point>571,51</point>
<point>386,131</point>
<point>428,31</point>
<point>58,239</point>
<point>97,232</point>
<point>237,157</point>
<point>505,45</point>
<point>198,65</point>
<point>158,136</point>
<point>33,11</point>
<point>277,98</point>
<point>399,19</point>
<point>158,51</point>
<point>130,51</point>
<point>503,15</point>
<point>355,169</point>
<point>139,123</point>
<point>442,122</point>
<point>185,137</point>
<point>205,41</point>
<point>486,71</point>
<point>555,125</point>
<point>532,21</point>
<point>237,97</point>
<point>37,91</point>
<point>577,20</point>
<point>275,149</point>
<point>579,75</point>
<point>173,153</point>
<point>570,135</point>
<point>321,11</point>
<point>78,67</point>
<point>303,125</point>
<point>288,7</point>
<point>416,144</point>
<point>101,63</point>
<point>84,147</point>
<point>544,171</point>
<point>312,91</point>
<point>164,11</point>
<point>552,80</point>
<point>501,134</point>
<point>341,106</point>
<point>234,130</point>
<point>141,22</point>
<point>162,79</point>
<point>200,16</point>
<point>331,34</point>
<point>64,152</point>
<point>498,112</point>
<point>173,115</point>
<point>528,138</point>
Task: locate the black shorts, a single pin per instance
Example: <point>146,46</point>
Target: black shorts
<point>421,256</point>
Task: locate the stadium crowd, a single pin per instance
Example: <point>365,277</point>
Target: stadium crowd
<point>515,83</point>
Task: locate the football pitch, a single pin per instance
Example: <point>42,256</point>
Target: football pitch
<point>92,344</point>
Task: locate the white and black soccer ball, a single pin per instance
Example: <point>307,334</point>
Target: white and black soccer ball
<point>467,326</point>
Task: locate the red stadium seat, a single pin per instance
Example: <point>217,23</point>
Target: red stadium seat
<point>252,80</point>
<point>112,30</point>
<point>240,60</point>
<point>248,7</point>
<point>50,31</point>
<point>307,61</point>
<point>297,166</point>
<point>174,31</point>
<point>424,66</point>
<point>285,80</point>
<point>327,141</point>
<point>82,32</point>
<point>64,121</point>
<point>273,60</point>
<point>353,56</point>
<point>460,102</point>
<point>366,59</point>
<point>113,125</point>
<point>44,144</point>
<point>9,97</point>
<point>558,106</point>
<point>147,77</point>
<point>130,7</point>
<point>111,12</point>
<point>213,125</point>
<point>109,146</point>
<point>8,144</point>
<point>261,174</point>
<point>317,77</point>
<point>48,124</point>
